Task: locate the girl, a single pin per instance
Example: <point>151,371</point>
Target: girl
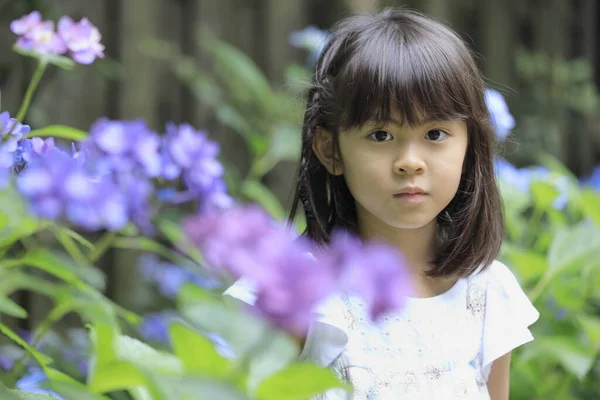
<point>397,146</point>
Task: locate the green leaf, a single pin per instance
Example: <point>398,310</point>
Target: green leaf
<point>579,244</point>
<point>59,266</point>
<point>300,381</point>
<point>249,336</point>
<point>572,356</point>
<point>285,142</point>
<point>239,72</point>
<point>122,375</point>
<point>103,337</point>
<point>60,132</point>
<point>590,324</point>
<point>54,59</point>
<point>528,264</point>
<point>12,280</point>
<point>42,359</point>
<point>141,354</point>
<point>198,353</point>
<point>9,307</point>
<point>212,315</point>
<point>259,193</point>
<point>7,394</point>
<point>173,232</point>
<point>149,245</point>
<point>591,200</point>
<point>74,391</point>
<point>198,388</point>
<point>544,194</point>
<point>77,237</point>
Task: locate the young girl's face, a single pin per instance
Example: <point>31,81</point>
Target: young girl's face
<point>403,175</point>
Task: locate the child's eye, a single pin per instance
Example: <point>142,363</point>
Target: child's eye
<point>380,136</point>
<point>435,135</point>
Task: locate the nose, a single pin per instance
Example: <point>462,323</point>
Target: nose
<point>409,162</point>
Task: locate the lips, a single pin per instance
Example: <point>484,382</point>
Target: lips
<point>409,190</point>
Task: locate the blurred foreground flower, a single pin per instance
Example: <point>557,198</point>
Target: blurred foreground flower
<point>502,121</point>
<point>292,276</point>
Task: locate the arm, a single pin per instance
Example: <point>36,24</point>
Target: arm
<point>499,379</point>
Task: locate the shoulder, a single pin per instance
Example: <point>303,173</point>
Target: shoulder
<point>498,275</point>
<point>508,312</point>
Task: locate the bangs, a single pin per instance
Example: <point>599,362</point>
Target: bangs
<point>421,77</point>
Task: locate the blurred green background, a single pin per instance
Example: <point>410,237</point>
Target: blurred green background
<point>228,66</point>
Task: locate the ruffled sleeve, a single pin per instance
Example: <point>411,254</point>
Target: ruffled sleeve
<point>327,336</point>
<point>508,315</point>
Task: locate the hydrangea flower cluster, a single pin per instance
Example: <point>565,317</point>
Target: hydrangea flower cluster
<point>80,40</point>
<point>522,178</point>
<point>312,39</point>
<point>12,145</point>
<point>290,274</point>
<point>501,118</point>
<point>110,181</point>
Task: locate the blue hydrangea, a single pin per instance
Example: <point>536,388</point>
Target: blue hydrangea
<point>502,121</point>
<point>593,179</point>
<point>522,178</point>
<point>155,327</point>
<point>31,383</point>
<point>169,278</point>
<point>312,39</point>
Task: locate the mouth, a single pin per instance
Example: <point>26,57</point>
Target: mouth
<point>411,190</point>
<point>411,194</point>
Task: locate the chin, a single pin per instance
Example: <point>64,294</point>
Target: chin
<point>411,223</point>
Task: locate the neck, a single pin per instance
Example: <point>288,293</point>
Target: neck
<point>417,245</point>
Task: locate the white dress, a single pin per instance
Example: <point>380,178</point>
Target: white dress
<point>436,348</point>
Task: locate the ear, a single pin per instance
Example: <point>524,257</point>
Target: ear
<point>322,146</point>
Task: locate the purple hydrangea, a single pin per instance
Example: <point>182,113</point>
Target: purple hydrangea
<point>290,281</point>
<point>126,145</point>
<point>37,35</point>
<point>189,153</point>
<point>374,270</point>
<point>501,118</point>
<point>58,185</point>
<point>82,39</point>
<point>12,145</point>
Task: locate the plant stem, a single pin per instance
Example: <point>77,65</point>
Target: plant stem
<point>33,84</point>
<point>70,246</point>
<point>539,288</point>
<point>35,80</point>
<point>106,240</point>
